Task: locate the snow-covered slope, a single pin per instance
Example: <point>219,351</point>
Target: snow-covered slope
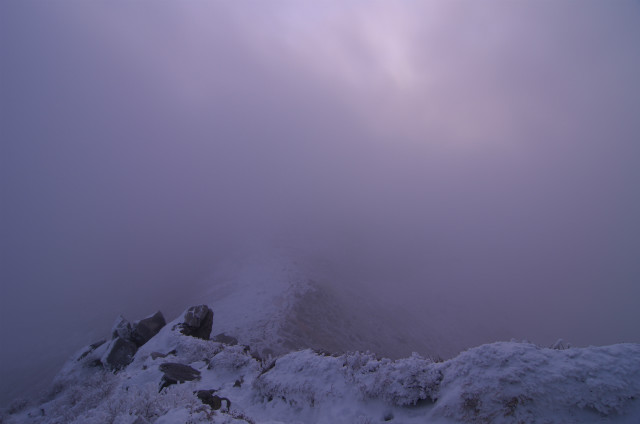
<point>253,296</point>
<point>279,302</point>
<point>277,308</point>
<point>502,382</point>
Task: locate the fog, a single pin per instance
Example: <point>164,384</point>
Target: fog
<point>481,154</point>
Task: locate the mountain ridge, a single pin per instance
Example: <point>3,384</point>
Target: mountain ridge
<point>300,348</point>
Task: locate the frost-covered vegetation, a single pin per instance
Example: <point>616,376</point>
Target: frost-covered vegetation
<point>500,382</point>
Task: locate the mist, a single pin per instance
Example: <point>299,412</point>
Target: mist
<point>482,156</point>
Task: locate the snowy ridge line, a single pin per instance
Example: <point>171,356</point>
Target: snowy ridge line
<point>279,301</point>
<point>505,382</point>
<point>253,297</point>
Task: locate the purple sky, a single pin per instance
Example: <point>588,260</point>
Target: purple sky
<point>485,151</point>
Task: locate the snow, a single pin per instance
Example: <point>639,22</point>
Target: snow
<point>281,300</point>
<point>500,382</point>
<point>523,382</point>
<point>251,297</point>
<point>505,382</point>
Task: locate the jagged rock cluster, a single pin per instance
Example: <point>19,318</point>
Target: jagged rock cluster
<point>127,338</point>
<point>198,321</point>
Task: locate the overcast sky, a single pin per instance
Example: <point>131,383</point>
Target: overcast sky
<point>484,151</point>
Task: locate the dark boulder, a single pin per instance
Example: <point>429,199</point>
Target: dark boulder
<point>177,373</point>
<point>156,355</point>
<point>208,398</point>
<point>119,354</point>
<point>145,329</point>
<point>198,321</point>
<point>121,328</point>
<point>126,339</point>
<point>224,339</point>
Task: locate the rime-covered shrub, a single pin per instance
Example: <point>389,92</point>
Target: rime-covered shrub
<point>231,358</point>
<point>94,402</point>
<point>146,402</point>
<point>72,395</point>
<point>302,379</point>
<point>401,382</point>
<point>512,382</point>
<point>192,349</point>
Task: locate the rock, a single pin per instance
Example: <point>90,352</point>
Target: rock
<point>198,321</point>
<point>91,348</point>
<point>140,420</point>
<point>145,329</point>
<point>126,339</point>
<point>121,328</point>
<point>196,315</point>
<point>156,355</point>
<point>177,373</point>
<point>208,398</point>
<point>92,355</point>
<point>119,354</point>
<point>224,339</point>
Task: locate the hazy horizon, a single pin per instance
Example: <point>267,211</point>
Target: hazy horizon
<point>484,154</point>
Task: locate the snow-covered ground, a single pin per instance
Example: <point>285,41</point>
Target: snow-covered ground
<point>276,308</point>
<point>499,382</point>
<point>281,301</point>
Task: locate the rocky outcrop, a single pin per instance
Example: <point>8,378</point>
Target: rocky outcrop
<point>121,328</point>
<point>145,329</point>
<point>198,321</point>
<point>177,373</point>
<point>119,354</point>
<point>126,339</point>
